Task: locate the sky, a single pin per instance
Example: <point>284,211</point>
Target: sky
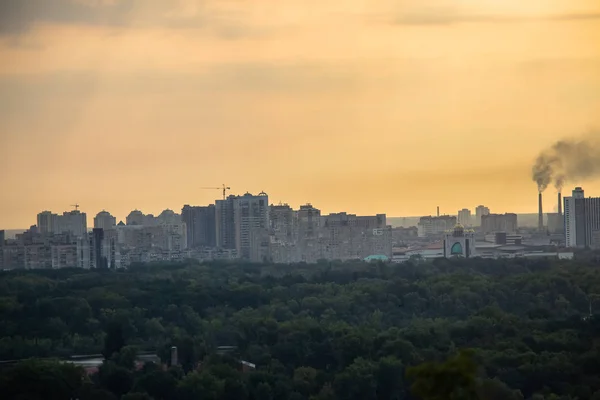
<point>364,106</point>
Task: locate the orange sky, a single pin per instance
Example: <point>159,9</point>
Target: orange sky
<point>365,106</point>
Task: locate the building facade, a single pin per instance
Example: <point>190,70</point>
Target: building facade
<point>168,217</point>
<point>46,222</point>
<point>431,226</point>
<point>283,221</point>
<point>200,226</point>
<point>459,243</point>
<point>251,221</point>
<point>574,215</point>
<point>34,250</point>
<point>464,217</point>
<point>73,222</point>
<point>309,225</point>
<point>491,223</point>
<point>581,219</point>
<point>104,220</point>
<point>225,223</point>
<point>136,217</point>
<point>480,211</point>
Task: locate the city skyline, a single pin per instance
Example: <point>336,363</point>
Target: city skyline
<point>405,106</point>
<point>550,203</point>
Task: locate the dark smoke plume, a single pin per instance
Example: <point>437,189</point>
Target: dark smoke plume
<point>567,161</point>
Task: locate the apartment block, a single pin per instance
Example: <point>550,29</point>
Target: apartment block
<point>308,226</point>
<point>200,226</point>
<point>104,220</point>
<point>432,226</point>
<point>347,236</point>
<point>47,222</point>
<point>225,223</point>
<point>251,219</point>
<point>499,223</point>
<point>581,219</point>
<point>480,211</point>
<point>464,217</point>
<point>34,250</point>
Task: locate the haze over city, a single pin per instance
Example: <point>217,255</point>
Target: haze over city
<point>360,106</point>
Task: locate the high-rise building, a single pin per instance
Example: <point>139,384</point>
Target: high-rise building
<point>582,219</point>
<point>464,217</point>
<point>47,222</point>
<point>284,234</point>
<point>480,211</point>
<point>492,223</point>
<point>309,221</point>
<point>574,214</point>
<point>136,217</point>
<point>73,222</point>
<point>225,223</point>
<point>103,220</point>
<point>168,217</point>
<point>242,223</point>
<point>251,218</point>
<point>283,223</point>
<point>2,237</point>
<point>200,225</point>
<point>309,224</point>
<point>98,257</point>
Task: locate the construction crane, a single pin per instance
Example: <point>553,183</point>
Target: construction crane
<point>223,188</point>
<point>76,206</point>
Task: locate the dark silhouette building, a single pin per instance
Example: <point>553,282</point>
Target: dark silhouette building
<point>200,225</point>
<point>98,259</point>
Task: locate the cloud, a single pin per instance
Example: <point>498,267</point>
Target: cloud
<point>451,17</point>
<point>18,17</point>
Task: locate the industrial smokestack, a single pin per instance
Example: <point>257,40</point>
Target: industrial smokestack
<point>559,204</point>
<point>540,214</point>
<point>438,211</point>
<point>174,360</point>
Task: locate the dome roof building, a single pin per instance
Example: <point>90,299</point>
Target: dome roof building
<point>459,242</point>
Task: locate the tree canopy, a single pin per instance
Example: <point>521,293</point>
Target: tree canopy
<point>450,329</point>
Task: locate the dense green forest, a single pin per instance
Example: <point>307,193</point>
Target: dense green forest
<point>450,329</point>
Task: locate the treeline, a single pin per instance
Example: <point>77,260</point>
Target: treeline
<point>326,331</point>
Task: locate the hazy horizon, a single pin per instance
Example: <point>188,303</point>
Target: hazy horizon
<point>380,106</point>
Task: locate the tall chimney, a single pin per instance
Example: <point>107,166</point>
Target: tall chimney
<point>174,360</point>
<point>438,211</point>
<point>559,204</point>
<point>540,215</point>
